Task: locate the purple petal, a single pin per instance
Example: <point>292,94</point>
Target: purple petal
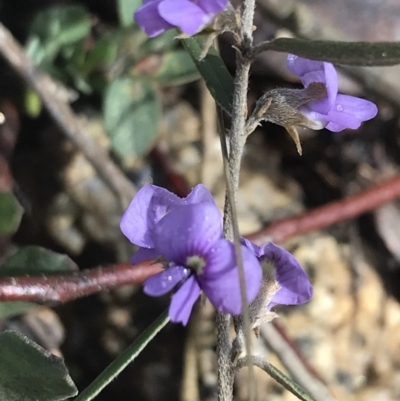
<point>149,205</point>
<point>348,112</point>
<point>212,7</point>
<point>150,20</point>
<point>184,14</point>
<point>253,247</point>
<point>164,282</point>
<point>144,254</point>
<point>182,302</point>
<point>220,280</point>
<point>199,193</point>
<point>188,230</point>
<point>311,71</point>
<point>359,109</point>
<point>295,285</point>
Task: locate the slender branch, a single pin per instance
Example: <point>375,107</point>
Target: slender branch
<point>294,364</point>
<point>276,374</point>
<point>37,288</point>
<point>232,164</point>
<point>62,113</point>
<point>123,360</point>
<point>324,216</point>
<point>67,287</point>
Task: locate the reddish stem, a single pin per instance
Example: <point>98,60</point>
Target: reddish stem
<point>176,180</point>
<point>67,287</point>
<point>324,216</point>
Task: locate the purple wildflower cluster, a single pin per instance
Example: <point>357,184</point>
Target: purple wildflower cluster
<point>187,234</point>
<point>337,112</point>
<point>190,16</point>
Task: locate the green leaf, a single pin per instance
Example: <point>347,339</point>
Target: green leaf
<point>161,43</point>
<point>216,76</point>
<point>30,373</point>
<point>36,261</point>
<point>32,261</point>
<point>126,8</point>
<point>104,52</point>
<point>54,28</point>
<point>177,68</point>
<point>10,214</point>
<point>10,309</point>
<point>131,113</point>
<point>347,53</point>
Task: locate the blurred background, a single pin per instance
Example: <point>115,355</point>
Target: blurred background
<point>141,101</point>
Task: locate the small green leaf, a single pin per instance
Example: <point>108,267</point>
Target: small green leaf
<point>104,52</point>
<point>216,76</point>
<point>36,261</point>
<point>32,261</point>
<point>177,68</point>
<point>30,373</point>
<point>347,53</point>
<point>10,309</point>
<point>54,28</point>
<point>131,113</point>
<point>161,43</point>
<point>10,214</point>
<point>126,8</point>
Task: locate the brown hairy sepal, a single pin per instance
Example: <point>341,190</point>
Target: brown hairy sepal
<point>258,310</point>
<point>259,313</point>
<point>280,106</point>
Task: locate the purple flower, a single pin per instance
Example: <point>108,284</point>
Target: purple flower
<point>188,234</point>
<point>190,16</point>
<point>295,287</point>
<point>150,204</point>
<point>337,112</point>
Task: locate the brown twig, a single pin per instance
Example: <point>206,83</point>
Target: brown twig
<point>23,288</point>
<point>62,113</point>
<point>334,212</point>
<point>67,287</point>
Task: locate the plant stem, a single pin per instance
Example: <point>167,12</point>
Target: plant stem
<point>231,231</point>
<point>120,363</point>
<point>276,374</point>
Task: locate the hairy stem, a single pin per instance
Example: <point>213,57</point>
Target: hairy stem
<point>231,230</point>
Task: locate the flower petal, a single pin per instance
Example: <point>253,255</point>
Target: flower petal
<point>149,19</point>
<point>188,230</point>
<point>149,205</point>
<point>311,71</point>
<point>183,300</point>
<point>253,247</point>
<point>164,282</point>
<point>199,193</point>
<point>185,15</point>
<point>348,112</point>
<point>212,7</point>
<point>295,285</point>
<point>350,106</point>
<point>220,280</point>
<point>143,254</point>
